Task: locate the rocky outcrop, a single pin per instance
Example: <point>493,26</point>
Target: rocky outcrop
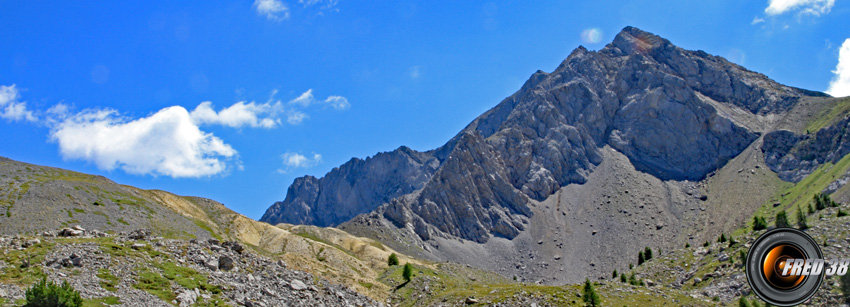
<point>794,156</point>
<point>650,100</point>
<point>356,187</point>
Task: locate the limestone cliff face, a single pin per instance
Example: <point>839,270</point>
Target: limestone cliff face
<point>648,99</point>
<point>794,156</point>
<point>356,187</point>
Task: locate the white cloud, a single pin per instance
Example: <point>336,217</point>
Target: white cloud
<point>238,115</point>
<point>840,84</point>
<point>757,20</point>
<point>813,7</point>
<point>295,117</point>
<point>338,102</point>
<point>273,9</point>
<point>166,143</point>
<point>307,99</point>
<point>295,160</point>
<point>11,108</point>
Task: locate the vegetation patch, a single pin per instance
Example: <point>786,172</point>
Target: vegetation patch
<point>109,282</point>
<point>154,283</point>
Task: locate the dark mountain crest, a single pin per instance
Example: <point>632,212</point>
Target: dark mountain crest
<point>641,95</point>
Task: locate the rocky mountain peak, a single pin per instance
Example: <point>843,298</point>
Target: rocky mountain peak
<point>632,40</point>
<point>654,102</point>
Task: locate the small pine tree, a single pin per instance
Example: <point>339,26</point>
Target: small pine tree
<point>641,258</point>
<point>633,279</point>
<point>759,223</point>
<point>782,219</point>
<point>811,208</point>
<point>614,274</point>
<point>623,278</point>
<point>802,224</point>
<point>590,297</point>
<point>407,273</point>
<point>705,244</point>
<point>647,253</point>
<point>732,241</point>
<point>722,238</point>
<point>47,293</point>
<point>742,302</point>
<point>392,260</point>
<point>631,266</point>
<point>687,245</point>
<point>841,213</point>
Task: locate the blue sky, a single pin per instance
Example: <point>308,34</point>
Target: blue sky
<point>232,100</point>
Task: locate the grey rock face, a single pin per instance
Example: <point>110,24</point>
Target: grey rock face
<point>356,187</point>
<point>793,157</point>
<point>643,96</point>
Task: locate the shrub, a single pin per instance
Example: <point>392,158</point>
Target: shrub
<point>614,274</point>
<point>841,213</point>
<point>641,258</point>
<point>407,273</point>
<point>722,238</point>
<point>759,223</point>
<point>732,241</point>
<point>590,297</point>
<point>742,302</point>
<point>687,245</point>
<point>823,201</point>
<point>782,219</point>
<point>623,278</point>
<point>705,244</point>
<point>647,253</point>
<point>392,260</point>
<point>801,220</point>
<point>47,293</point>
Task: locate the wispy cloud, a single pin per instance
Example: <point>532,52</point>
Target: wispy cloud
<point>11,108</point>
<point>415,72</point>
<point>338,102</point>
<point>295,117</point>
<point>328,5</point>
<point>757,20</point>
<point>840,84</point>
<point>307,99</point>
<point>293,160</point>
<point>168,143</point>
<point>813,7</point>
<point>273,9</point>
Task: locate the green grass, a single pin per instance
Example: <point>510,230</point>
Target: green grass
<point>311,236</point>
<point>154,283</point>
<point>801,193</point>
<point>183,276</point>
<point>102,301</point>
<point>829,116</point>
<point>125,250</point>
<point>13,273</point>
<point>206,227</point>
<point>122,221</point>
<point>109,282</point>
